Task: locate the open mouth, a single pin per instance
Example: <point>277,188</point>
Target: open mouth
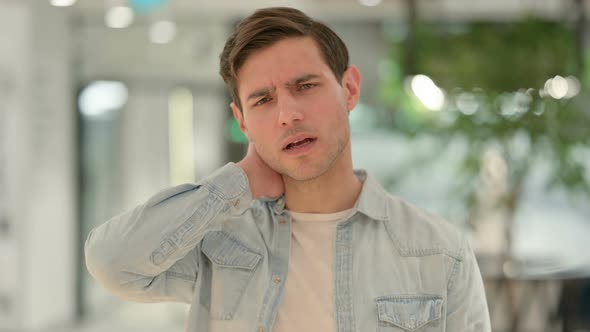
<point>300,143</point>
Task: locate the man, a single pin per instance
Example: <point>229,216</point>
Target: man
<point>291,238</point>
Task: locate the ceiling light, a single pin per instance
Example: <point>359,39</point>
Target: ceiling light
<point>102,97</point>
<point>119,17</point>
<point>62,3</point>
<point>162,32</point>
<point>370,3</point>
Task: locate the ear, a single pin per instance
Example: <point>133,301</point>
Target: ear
<point>351,82</point>
<point>239,116</point>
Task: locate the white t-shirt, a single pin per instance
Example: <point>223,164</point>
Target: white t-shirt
<point>308,301</point>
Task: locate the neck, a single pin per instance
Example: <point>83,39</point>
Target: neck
<point>335,190</point>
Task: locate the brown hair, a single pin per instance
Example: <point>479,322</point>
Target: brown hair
<point>269,25</point>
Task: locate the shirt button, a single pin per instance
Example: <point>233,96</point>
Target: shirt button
<point>277,280</point>
<point>282,221</point>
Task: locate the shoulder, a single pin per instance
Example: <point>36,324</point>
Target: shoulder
<point>414,230</point>
<point>418,232</point>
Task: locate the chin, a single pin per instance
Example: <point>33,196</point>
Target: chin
<point>304,173</point>
<point>302,177</point>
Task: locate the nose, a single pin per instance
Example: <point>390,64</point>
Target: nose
<point>289,111</point>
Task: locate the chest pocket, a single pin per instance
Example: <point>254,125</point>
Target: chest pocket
<point>418,313</point>
<point>233,265</point>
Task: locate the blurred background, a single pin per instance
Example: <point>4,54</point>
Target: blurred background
<point>474,109</point>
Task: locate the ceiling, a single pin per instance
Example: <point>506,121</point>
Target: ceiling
<point>353,9</point>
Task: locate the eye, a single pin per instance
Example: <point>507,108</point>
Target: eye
<point>306,86</point>
<point>262,101</point>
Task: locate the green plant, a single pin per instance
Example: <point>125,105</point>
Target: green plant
<point>495,78</point>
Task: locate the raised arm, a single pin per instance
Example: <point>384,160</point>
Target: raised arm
<point>149,254</point>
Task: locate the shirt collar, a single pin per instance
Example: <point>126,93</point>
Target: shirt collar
<point>371,202</point>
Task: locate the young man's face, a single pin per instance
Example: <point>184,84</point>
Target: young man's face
<point>294,110</point>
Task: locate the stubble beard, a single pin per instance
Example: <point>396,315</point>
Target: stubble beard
<point>320,166</point>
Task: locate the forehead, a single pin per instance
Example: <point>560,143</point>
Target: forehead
<point>281,62</point>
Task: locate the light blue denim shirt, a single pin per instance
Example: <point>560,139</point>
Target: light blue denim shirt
<point>396,267</point>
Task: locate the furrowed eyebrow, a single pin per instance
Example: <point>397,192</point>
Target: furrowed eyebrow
<point>259,93</point>
<point>266,91</point>
<point>302,78</point>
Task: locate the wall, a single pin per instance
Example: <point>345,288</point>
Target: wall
<point>37,244</point>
